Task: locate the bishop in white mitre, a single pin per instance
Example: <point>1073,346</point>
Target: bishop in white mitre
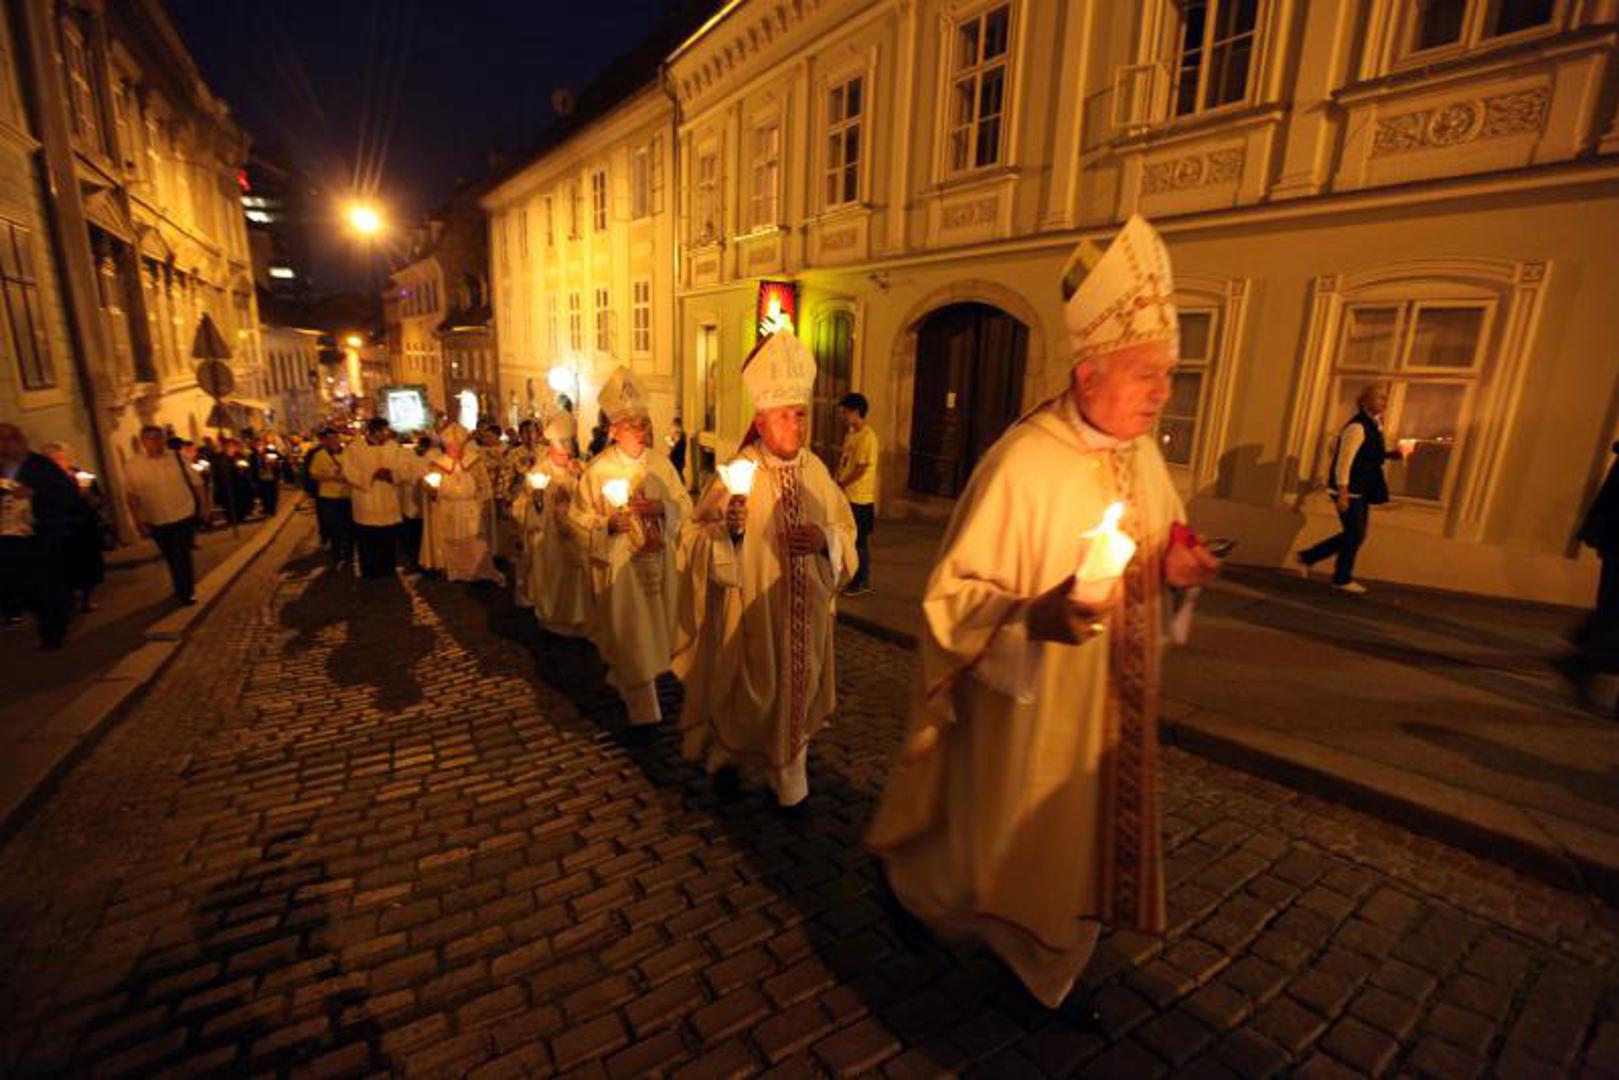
<point>555,579</point>
<point>628,510</point>
<point>1022,808</point>
<point>763,569</point>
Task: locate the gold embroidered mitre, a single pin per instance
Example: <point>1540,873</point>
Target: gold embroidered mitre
<point>1121,297</point>
<point>780,371</point>
<point>621,398</point>
<point>559,427</point>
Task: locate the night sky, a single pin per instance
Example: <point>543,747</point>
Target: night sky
<point>313,79</point>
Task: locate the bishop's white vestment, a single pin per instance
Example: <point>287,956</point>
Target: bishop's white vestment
<point>634,591</point>
<point>755,642</point>
<point>554,567</point>
<point>456,529</point>
<point>1023,807</point>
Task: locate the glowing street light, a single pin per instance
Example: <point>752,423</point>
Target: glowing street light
<point>353,341</point>
<point>561,379</point>
<point>364,219</point>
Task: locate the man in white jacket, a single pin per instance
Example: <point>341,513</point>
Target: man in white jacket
<point>371,468</point>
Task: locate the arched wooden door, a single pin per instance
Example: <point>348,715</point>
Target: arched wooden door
<point>969,389</point>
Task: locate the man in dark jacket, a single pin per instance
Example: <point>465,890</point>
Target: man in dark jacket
<point>36,500</point>
<point>1357,484</point>
<point>1596,642</point>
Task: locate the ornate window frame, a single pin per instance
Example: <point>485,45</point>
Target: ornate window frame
<point>864,68</point>
<point>951,14</point>
<point>1143,90</point>
<point>1516,290</point>
<point>1391,28</point>
<point>1227,299</point>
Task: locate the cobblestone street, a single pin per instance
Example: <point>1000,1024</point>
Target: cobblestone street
<point>364,826</point>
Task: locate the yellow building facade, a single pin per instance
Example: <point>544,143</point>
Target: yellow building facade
<point>581,241</point>
<point>1423,193</point>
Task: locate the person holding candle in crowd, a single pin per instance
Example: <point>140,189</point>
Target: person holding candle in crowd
<point>556,582</point>
<point>266,460</point>
<point>36,504</point>
<point>628,511</point>
<point>83,564</point>
<point>1022,808</point>
<point>764,555</point>
<point>413,465</point>
<point>333,511</point>
<point>371,468</point>
<point>459,490</point>
<point>166,499</point>
<point>1357,483</point>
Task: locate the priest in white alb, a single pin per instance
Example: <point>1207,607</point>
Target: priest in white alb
<point>769,546</point>
<point>555,581</point>
<point>457,533</point>
<point>628,510</point>
<point>1023,806</point>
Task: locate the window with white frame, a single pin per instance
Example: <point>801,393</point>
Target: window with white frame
<point>554,327</point>
<point>845,109</point>
<point>576,324</point>
<point>1431,354</point>
<point>978,82</point>
<point>576,210</point>
<point>641,183</point>
<point>705,215</point>
<point>550,223</point>
<point>29,346</point>
<point>1178,424</point>
<point>1214,55</point>
<point>641,312</point>
<point>598,200</point>
<point>764,200</point>
<point>1444,25</point>
<point>604,322</point>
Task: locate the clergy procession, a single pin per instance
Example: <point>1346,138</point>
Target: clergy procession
<point>1022,810</point>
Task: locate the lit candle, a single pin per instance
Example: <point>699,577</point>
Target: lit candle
<point>738,476</point>
<point>539,481</point>
<point>1407,447</point>
<point>433,480</point>
<point>241,463</point>
<point>617,493</point>
<point>85,479</point>
<point>1107,552</point>
<point>200,466</point>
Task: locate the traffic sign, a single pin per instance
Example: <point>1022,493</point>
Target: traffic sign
<point>216,378</point>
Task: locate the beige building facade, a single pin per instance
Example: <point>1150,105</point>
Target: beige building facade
<point>582,257</point>
<point>146,234</point>
<point>1423,193</point>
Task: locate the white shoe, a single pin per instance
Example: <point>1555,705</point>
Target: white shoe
<point>1353,588</point>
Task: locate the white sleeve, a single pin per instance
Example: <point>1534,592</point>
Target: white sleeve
<point>1349,444</point>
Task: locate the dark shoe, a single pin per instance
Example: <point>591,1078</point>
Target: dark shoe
<point>728,783</point>
<point>185,601</point>
<point>1578,673</point>
<point>639,735</point>
<point>796,812</point>
<point>857,590</point>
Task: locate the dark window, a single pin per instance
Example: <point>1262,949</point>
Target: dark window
<point>24,312</point>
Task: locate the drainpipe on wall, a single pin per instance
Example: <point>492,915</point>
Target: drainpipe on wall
<point>671,188</point>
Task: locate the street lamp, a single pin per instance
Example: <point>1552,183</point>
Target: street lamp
<point>364,219</point>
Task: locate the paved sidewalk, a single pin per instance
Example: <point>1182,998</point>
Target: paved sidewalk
<point>389,828</point>
<point>1437,709</point>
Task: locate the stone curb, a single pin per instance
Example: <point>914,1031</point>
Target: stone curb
<point>1565,853</point>
<point>41,760</point>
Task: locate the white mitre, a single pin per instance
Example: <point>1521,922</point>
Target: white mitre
<point>560,427</point>
<point>780,371</point>
<point>1123,297</point>
<point>622,397</point>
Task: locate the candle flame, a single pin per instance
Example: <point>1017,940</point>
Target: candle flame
<point>1111,518</point>
<point>433,479</point>
<point>539,481</point>
<point>738,476</point>
<point>617,493</point>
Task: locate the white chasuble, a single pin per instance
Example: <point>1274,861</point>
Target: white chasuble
<point>459,514</point>
<point>634,587</point>
<point>1023,806</point>
<point>556,578</point>
<point>755,642</point>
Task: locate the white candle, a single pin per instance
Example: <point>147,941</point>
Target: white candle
<point>1107,552</point>
<point>539,481</point>
<point>433,480</point>
<point>200,466</point>
<point>617,493</point>
<point>85,479</point>
<point>738,476</point>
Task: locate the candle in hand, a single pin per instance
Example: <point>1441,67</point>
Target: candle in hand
<point>433,480</point>
<point>617,493</point>
<point>1107,552</point>
<point>539,481</point>
<point>85,479</point>
<point>738,477</point>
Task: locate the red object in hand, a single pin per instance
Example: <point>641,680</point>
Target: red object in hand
<point>1183,535</point>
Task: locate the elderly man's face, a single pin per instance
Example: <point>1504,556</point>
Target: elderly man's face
<point>1375,399</point>
<point>783,428</point>
<point>632,434</point>
<point>13,445</point>
<point>1122,393</point>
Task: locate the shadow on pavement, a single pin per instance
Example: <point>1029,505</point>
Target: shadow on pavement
<point>381,644</point>
<point>1600,786</point>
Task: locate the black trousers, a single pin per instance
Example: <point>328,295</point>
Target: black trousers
<point>174,541</point>
<point>269,496</point>
<point>33,574</point>
<point>376,544</point>
<point>865,523</point>
<point>1346,545</point>
<point>410,539</point>
<point>1597,639</point>
<point>336,517</point>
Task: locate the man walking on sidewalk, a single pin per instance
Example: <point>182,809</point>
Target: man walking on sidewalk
<point>165,499</point>
<point>1357,484</point>
<point>36,498</point>
<point>857,476</point>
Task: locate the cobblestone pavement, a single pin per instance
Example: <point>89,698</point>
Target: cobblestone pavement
<point>365,826</point>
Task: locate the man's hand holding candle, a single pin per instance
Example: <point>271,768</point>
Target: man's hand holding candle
<point>1056,616</point>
